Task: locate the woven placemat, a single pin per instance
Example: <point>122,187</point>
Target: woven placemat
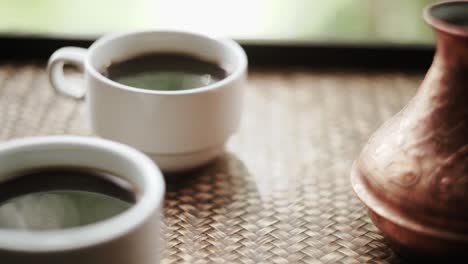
<point>281,192</point>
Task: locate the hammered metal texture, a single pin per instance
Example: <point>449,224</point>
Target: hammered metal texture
<point>281,192</point>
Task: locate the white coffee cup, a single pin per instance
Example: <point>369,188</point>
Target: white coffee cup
<point>132,236</point>
<point>179,129</point>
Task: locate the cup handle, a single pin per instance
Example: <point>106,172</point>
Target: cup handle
<point>67,55</point>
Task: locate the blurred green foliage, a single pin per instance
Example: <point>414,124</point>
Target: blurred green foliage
<point>350,21</point>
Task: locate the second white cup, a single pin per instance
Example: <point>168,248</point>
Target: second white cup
<point>132,236</point>
<point>180,129</point>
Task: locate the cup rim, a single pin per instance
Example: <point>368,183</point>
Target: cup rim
<point>233,46</point>
<point>442,25</point>
<point>97,233</point>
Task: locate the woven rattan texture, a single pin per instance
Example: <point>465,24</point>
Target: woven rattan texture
<point>281,192</point>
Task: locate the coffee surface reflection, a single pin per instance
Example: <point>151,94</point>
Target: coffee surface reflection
<point>59,198</point>
<point>164,72</point>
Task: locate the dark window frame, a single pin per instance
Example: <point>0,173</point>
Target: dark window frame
<point>260,53</point>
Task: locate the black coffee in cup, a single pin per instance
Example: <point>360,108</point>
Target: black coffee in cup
<point>62,197</point>
<point>164,71</point>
